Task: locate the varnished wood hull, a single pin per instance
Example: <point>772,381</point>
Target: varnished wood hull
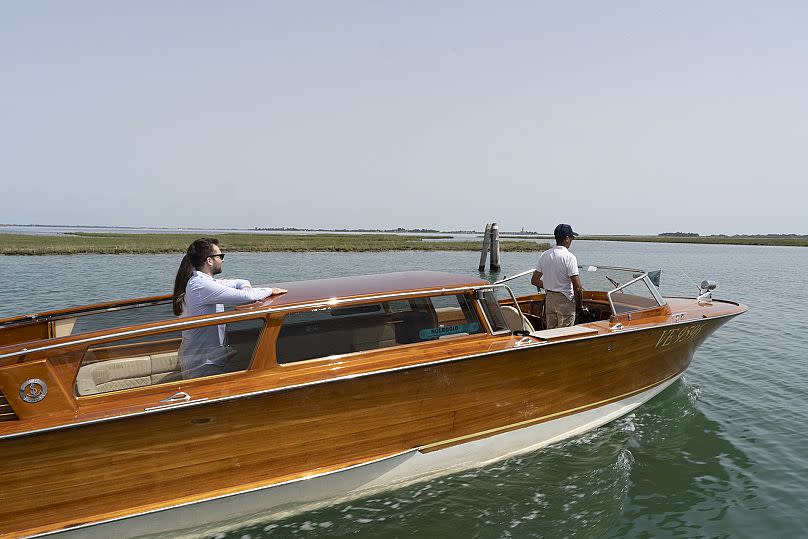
<point>277,501</point>
<point>146,464</point>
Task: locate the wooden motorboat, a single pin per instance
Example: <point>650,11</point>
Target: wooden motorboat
<point>340,387</point>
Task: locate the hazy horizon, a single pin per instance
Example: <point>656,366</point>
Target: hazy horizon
<point>619,118</point>
<point>358,229</point>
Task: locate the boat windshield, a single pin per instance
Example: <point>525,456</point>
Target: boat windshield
<point>627,289</point>
<point>606,279</point>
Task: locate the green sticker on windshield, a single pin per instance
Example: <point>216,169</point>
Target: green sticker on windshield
<point>455,329</point>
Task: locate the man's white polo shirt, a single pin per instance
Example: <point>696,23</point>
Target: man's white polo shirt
<point>557,265</point>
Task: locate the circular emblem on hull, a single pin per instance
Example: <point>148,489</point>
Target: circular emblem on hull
<point>33,390</point>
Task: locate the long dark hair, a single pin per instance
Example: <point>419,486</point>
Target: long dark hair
<point>194,258</point>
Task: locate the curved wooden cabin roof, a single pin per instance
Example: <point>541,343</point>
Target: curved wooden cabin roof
<point>25,329</point>
<point>365,285</point>
<point>305,291</point>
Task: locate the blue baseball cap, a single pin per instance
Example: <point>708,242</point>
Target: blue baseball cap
<point>562,231</point>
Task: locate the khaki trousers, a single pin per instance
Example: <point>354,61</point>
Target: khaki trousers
<point>559,312</point>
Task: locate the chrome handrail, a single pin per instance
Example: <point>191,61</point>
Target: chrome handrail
<point>520,274</point>
<point>512,277</point>
<point>218,318</point>
<point>79,312</point>
<point>633,270</point>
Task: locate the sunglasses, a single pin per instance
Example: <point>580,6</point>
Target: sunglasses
<point>220,255</point>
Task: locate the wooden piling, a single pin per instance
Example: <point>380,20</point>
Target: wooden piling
<point>494,247</point>
<point>486,243</point>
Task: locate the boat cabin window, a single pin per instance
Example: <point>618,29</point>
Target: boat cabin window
<point>168,357</point>
<point>356,328</point>
<point>491,307</point>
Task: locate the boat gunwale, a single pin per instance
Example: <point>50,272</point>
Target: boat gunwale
<point>515,348</point>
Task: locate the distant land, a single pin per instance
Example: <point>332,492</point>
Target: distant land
<point>118,239</point>
<point>398,230</point>
<point>780,240</point>
<point>126,243</point>
<point>696,235</point>
<point>115,227</point>
<point>664,237</point>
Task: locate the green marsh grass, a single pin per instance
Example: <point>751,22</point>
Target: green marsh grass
<point>782,241</point>
<point>115,243</point>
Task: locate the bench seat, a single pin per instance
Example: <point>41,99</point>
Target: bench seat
<point>127,373</point>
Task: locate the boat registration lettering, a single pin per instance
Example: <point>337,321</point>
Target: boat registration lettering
<point>677,335</point>
<point>434,333</point>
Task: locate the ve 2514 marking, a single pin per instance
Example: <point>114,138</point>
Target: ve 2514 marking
<point>677,335</point>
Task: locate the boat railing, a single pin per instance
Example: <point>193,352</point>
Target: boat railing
<point>588,268</point>
<point>85,319</point>
<point>218,318</point>
<point>77,312</point>
<point>512,277</point>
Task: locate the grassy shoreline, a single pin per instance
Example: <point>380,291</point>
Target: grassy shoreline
<point>796,241</point>
<point>129,243</point>
<point>122,243</point>
<point>775,241</point>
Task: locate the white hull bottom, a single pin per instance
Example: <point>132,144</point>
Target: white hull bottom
<point>237,510</point>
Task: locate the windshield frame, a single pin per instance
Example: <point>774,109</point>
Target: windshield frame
<point>651,287</point>
<point>642,277</point>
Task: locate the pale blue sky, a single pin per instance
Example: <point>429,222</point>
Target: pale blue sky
<point>617,117</point>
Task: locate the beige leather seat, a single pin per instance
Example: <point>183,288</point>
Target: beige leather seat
<point>126,373</point>
<point>373,337</point>
<point>515,319</point>
<point>113,375</point>
<point>165,367</point>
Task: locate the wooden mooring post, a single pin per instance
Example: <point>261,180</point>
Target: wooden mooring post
<point>486,243</point>
<point>490,243</point>
<point>494,247</point>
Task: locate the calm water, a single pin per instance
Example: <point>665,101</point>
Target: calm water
<point>722,453</point>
